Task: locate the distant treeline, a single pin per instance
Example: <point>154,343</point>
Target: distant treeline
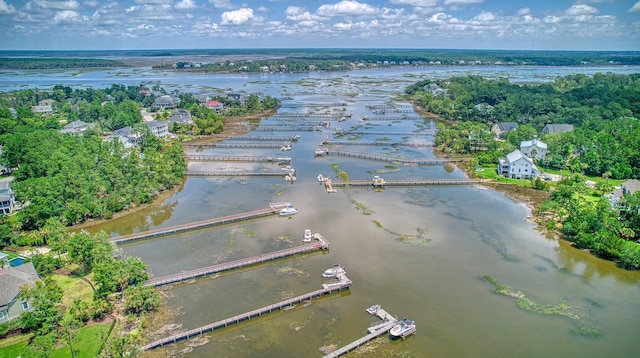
<point>56,63</point>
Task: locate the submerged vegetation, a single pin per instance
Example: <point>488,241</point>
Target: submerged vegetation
<point>583,325</point>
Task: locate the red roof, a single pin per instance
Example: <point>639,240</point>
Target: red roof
<point>213,103</point>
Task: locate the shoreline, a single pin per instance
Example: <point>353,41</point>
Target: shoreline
<point>232,126</point>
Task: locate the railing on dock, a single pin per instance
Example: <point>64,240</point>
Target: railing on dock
<point>232,145</point>
<point>399,160</point>
<point>271,210</point>
<point>415,182</point>
<point>246,316</point>
<point>236,158</point>
<point>376,143</point>
<point>209,270</point>
<point>235,173</point>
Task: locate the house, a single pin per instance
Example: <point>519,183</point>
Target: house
<point>557,128</point>
<point>44,107</point>
<point>181,116</point>
<point>518,166</point>
<point>126,136</point>
<point>215,105</point>
<point>503,127</point>
<point>158,128</point>
<point>534,149</point>
<point>202,98</point>
<point>11,281</point>
<point>240,97</point>
<point>77,127</point>
<point>166,102</point>
<point>7,198</point>
<point>629,187</point>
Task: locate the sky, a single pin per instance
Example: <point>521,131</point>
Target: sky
<point>227,24</point>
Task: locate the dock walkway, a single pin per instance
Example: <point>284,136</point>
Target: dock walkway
<point>388,321</point>
<point>415,182</point>
<point>271,210</point>
<point>340,286</point>
<point>376,143</point>
<point>236,158</point>
<point>386,158</point>
<point>321,244</point>
<point>233,145</point>
<point>235,173</point>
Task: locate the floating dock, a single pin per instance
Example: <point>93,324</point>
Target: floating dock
<point>341,285</point>
<point>387,321</point>
<point>320,244</point>
<point>273,209</point>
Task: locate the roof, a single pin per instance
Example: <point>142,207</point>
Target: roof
<point>531,143</point>
<point>76,124</point>
<point>557,128</point>
<point>124,131</point>
<point>152,124</point>
<point>11,278</point>
<point>5,185</point>
<point>630,186</point>
<point>213,103</point>
<point>515,156</point>
<point>506,126</point>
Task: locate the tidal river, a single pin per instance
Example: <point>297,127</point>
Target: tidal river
<point>421,252</point>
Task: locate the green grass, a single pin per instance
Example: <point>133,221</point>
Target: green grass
<point>74,289</point>
<point>87,343</point>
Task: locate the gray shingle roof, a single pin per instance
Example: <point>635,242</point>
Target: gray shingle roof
<point>11,278</point>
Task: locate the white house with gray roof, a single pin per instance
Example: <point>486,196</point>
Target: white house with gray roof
<point>516,165</point>
<point>534,149</point>
<point>11,281</point>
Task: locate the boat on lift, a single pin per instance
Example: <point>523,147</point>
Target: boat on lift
<point>403,328</point>
<point>307,236</point>
<point>334,271</point>
<point>288,210</point>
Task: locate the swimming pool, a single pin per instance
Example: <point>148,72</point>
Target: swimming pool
<point>17,261</point>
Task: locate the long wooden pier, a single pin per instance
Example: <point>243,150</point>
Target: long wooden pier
<point>284,129</point>
<point>271,210</point>
<point>292,138</point>
<point>415,182</point>
<point>233,145</point>
<point>321,244</point>
<point>341,285</point>
<point>423,133</point>
<point>386,158</point>
<point>236,158</point>
<point>375,143</point>
<point>235,173</point>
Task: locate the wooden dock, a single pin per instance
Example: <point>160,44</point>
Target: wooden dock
<point>375,143</point>
<point>235,173</point>
<point>236,158</point>
<point>233,145</point>
<point>271,210</point>
<point>321,244</point>
<point>284,129</point>
<point>339,286</point>
<point>408,134</point>
<point>382,327</point>
<point>409,182</point>
<point>386,158</point>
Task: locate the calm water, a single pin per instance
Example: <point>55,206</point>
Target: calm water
<point>419,252</point>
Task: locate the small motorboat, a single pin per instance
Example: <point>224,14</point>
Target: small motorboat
<point>373,309</point>
<point>403,328</point>
<point>288,210</point>
<point>307,236</point>
<point>320,178</point>
<point>334,271</point>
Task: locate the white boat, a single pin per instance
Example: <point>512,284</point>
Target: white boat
<point>286,147</point>
<point>307,236</point>
<point>334,271</point>
<point>373,309</point>
<point>321,151</point>
<point>288,210</point>
<point>403,328</point>
<point>320,178</point>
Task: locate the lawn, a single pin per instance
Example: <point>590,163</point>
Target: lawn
<point>87,344</point>
<point>74,289</point>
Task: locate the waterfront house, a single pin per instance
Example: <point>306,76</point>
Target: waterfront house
<point>126,136</point>
<point>44,107</point>
<point>503,127</point>
<point>627,188</point>
<point>181,116</point>
<point>12,279</point>
<point>7,198</point>
<point>534,149</point>
<point>215,105</point>
<point>77,127</point>
<point>158,128</point>
<point>240,97</point>
<point>166,102</point>
<point>557,128</point>
<point>516,165</point>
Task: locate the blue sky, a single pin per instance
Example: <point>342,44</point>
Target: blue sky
<point>185,24</point>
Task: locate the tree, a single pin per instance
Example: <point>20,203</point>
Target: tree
<point>45,298</point>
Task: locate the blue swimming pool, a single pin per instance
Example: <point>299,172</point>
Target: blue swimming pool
<point>17,261</point>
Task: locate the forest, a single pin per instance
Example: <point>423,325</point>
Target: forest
<point>604,143</point>
<point>79,177</point>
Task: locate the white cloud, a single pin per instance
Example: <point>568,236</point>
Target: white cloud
<point>66,16</point>
<point>347,8</point>
<point>579,10</point>
<point>221,4</point>
<point>90,3</point>
<point>635,7</point>
<point>153,2</point>
<point>295,13</point>
<point>57,5</point>
<point>185,5</point>
<point>485,17</point>
<point>236,17</point>
<point>6,9</point>
<point>416,3</point>
<point>524,11</point>
<point>457,4</point>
